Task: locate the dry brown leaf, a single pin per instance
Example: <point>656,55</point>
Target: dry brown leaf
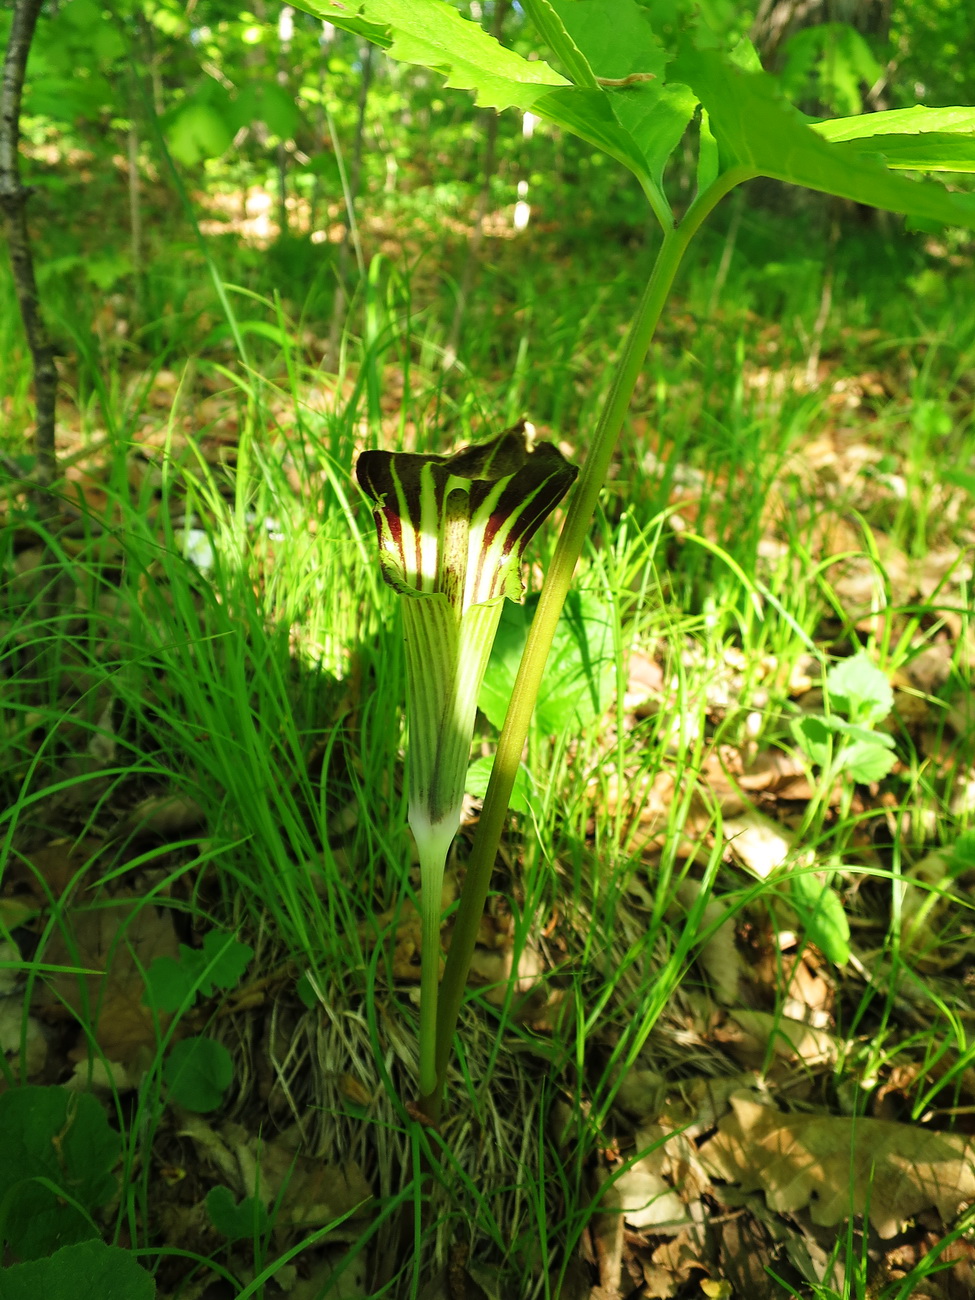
<point>809,995</point>
<point>840,1166</point>
<point>168,816</point>
<point>744,1252</point>
<point>772,769</point>
<point>644,683</point>
<point>606,1228</point>
<point>931,667</point>
<point>119,941</point>
<point>641,1092</point>
<point>645,1199</point>
<point>13,1031</point>
<point>310,1192</point>
<point>791,1039</point>
<point>758,842</point>
<point>928,909</point>
<point>719,955</point>
<point>494,969</point>
<point>674,1260</point>
<point>48,872</point>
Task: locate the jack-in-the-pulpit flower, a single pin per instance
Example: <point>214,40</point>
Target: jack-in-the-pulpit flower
<point>452,533</point>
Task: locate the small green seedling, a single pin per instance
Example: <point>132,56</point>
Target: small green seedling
<point>89,1270</point>
<point>175,984</point>
<point>197,1072</point>
<point>57,1154</point>
<point>840,743</point>
<point>820,912</point>
<point>237,1221</point>
<point>844,740</point>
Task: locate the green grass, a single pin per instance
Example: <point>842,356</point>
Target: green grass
<point>268,688</point>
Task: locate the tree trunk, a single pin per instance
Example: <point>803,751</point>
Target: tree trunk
<point>13,205</point>
<point>350,236</point>
<point>489,118</point>
<point>777,20</point>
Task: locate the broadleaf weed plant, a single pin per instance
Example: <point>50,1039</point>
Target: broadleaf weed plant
<point>614,82</point>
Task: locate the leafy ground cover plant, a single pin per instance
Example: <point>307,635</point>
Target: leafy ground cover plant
<point>251,663</point>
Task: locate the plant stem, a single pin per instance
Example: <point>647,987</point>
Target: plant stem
<point>432,863</point>
<point>542,631</point>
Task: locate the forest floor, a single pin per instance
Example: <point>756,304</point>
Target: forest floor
<point>720,1035</point>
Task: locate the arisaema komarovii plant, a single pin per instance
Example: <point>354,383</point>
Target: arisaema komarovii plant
<point>632,79</point>
<point>452,532</point>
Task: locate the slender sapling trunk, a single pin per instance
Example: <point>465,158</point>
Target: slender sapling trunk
<point>13,205</point>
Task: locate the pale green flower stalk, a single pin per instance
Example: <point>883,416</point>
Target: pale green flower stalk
<point>452,533</point>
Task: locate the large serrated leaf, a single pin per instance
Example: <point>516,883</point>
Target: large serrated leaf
<point>922,139</point>
<point>759,131</point>
<point>638,125</point>
<point>618,42</point>
<point>65,1140</point>
<point>548,20</point>
<point>88,1271</point>
<point>433,34</point>
<point>588,114</point>
<point>924,153</point>
<point>898,121</point>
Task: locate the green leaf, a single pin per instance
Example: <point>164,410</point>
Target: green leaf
<point>962,853</point>
<point>87,1271</point>
<point>197,1072</point>
<point>220,963</point>
<point>899,121</point>
<point>578,678</point>
<point>813,736</point>
<point>929,153</point>
<point>549,20</point>
<point>708,162</point>
<point>618,41</point>
<point>199,130</point>
<point>820,911</point>
<point>46,1132</point>
<point>588,114</point>
<point>758,130</point>
<point>104,272</point>
<point>615,37</point>
<point>865,754</point>
<point>305,991</point>
<point>478,775</point>
<point>859,689</point>
<point>237,1222</point>
<point>269,103</point>
<point>867,760</point>
<point>829,62</point>
<point>64,100</point>
<point>433,34</point>
<point>850,731</point>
